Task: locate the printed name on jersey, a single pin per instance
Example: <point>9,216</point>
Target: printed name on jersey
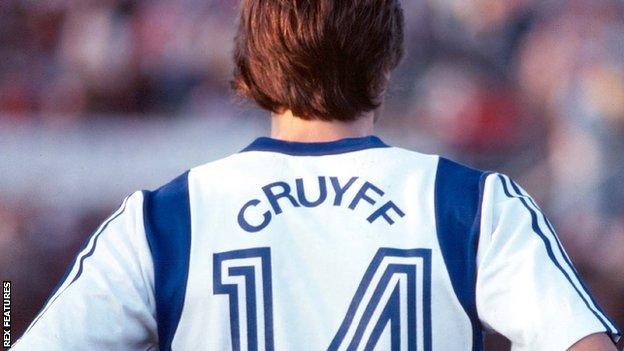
<point>251,219</point>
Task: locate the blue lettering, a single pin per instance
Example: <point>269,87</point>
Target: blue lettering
<point>281,190</point>
<point>273,197</point>
<point>361,195</point>
<point>301,193</point>
<point>383,212</point>
<point>340,190</point>
<point>248,227</point>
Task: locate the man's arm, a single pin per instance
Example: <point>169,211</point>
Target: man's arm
<point>527,288</point>
<point>594,342</point>
<point>105,301</point>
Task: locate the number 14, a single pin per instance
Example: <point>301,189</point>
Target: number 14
<point>395,291</point>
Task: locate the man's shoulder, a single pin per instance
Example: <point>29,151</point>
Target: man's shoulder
<point>180,183</point>
<point>458,170</point>
<point>247,164</point>
<point>437,165</point>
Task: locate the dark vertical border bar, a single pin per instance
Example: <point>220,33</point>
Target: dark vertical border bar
<point>167,220</point>
<point>458,197</point>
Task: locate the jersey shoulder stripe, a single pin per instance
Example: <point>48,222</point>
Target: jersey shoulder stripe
<point>78,261</point>
<point>167,221</point>
<point>513,191</point>
<point>458,196</point>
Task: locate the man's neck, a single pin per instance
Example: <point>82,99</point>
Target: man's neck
<point>288,127</point>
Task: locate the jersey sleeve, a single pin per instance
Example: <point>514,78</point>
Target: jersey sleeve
<point>105,301</point>
<point>527,288</point>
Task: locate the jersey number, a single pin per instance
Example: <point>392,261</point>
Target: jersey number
<point>394,293</point>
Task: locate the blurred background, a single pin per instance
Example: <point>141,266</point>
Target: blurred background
<point>99,98</point>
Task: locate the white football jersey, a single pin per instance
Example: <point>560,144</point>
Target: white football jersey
<point>346,245</point>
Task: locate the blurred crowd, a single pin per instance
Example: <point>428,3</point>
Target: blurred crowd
<point>531,88</point>
<point>66,59</point>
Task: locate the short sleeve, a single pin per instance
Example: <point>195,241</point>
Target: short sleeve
<point>105,301</point>
<point>527,288</point>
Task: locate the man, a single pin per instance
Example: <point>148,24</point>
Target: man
<point>322,236</point>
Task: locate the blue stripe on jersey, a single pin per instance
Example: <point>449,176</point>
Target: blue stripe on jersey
<point>597,311</point>
<point>458,196</point>
<point>315,149</point>
<point>53,296</point>
<point>167,220</point>
<point>551,230</point>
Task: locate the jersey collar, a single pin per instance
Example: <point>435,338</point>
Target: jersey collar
<point>315,149</point>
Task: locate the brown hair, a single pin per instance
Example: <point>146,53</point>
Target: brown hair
<point>322,59</point>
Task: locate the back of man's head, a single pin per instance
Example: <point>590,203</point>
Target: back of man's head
<point>322,59</point>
